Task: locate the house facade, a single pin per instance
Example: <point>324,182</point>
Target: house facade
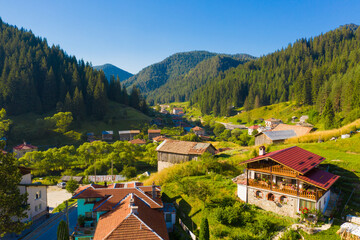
<point>286,180</point>
<point>251,129</point>
<point>128,135</point>
<point>22,149</point>
<point>107,135</point>
<point>178,111</point>
<point>272,122</point>
<point>37,196</point>
<point>171,152</point>
<point>122,211</point>
<point>199,131</point>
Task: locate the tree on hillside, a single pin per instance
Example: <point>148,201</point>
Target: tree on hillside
<point>61,121</point>
<point>71,186</point>
<point>328,114</point>
<point>4,123</point>
<point>204,229</point>
<point>13,205</point>
<point>62,231</point>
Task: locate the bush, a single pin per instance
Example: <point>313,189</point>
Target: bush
<point>233,215</point>
<point>71,186</point>
<point>291,235</point>
<point>129,172</point>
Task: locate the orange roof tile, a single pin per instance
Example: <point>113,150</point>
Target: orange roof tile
<point>137,141</point>
<point>154,130</point>
<point>197,128</point>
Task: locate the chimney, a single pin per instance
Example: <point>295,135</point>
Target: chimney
<point>131,202</point>
<point>153,193</point>
<point>262,151</point>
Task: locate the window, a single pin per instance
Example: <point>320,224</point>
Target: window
<point>88,214</point>
<point>283,199</point>
<point>38,195</point>
<point>258,194</point>
<point>270,197</point>
<point>308,204</point>
<point>168,217</point>
<point>90,200</point>
<point>40,206</point>
<point>36,208</point>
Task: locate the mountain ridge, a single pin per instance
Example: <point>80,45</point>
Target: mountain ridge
<point>112,70</point>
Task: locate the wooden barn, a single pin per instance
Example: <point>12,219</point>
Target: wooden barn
<point>171,152</point>
<point>273,137</point>
<point>128,135</point>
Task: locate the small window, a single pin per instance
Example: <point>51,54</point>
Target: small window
<point>40,206</point>
<point>258,194</point>
<point>283,199</point>
<point>168,217</point>
<point>88,214</point>
<point>271,197</point>
<point>36,208</point>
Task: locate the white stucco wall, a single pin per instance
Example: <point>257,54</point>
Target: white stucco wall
<point>323,201</point>
<point>242,192</point>
<point>34,208</point>
<point>26,179</point>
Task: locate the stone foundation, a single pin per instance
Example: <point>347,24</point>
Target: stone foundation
<point>162,165</point>
<point>287,209</point>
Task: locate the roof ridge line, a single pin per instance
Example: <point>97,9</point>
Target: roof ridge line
<point>152,230</point>
<point>103,202</point>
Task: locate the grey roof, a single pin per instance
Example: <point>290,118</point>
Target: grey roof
<point>280,135</point>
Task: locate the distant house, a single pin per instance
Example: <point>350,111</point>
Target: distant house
<point>273,137</point>
<point>138,141</point>
<point>286,180</point>
<point>107,135</point>
<point>37,196</point>
<point>299,130</point>
<point>90,136</point>
<point>303,118</point>
<point>171,152</point>
<point>199,131</point>
<point>272,122</point>
<point>251,129</point>
<point>178,111</point>
<point>78,179</point>
<point>22,149</point>
<point>164,111</point>
<point>123,211</point>
<point>159,139</point>
<point>153,133</point>
<point>128,135</point>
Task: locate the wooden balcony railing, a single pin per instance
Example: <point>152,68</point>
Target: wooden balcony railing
<point>276,169</point>
<point>286,190</point>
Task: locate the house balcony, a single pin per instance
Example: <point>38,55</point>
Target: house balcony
<point>275,169</point>
<point>289,190</point>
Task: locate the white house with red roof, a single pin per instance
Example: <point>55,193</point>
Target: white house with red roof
<point>251,129</point>
<point>122,211</point>
<point>286,180</point>
<point>22,149</point>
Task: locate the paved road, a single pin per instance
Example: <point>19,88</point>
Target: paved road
<point>56,196</point>
<point>49,232</point>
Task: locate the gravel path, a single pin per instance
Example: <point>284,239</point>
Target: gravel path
<point>56,196</point>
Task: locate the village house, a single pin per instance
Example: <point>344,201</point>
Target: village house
<point>78,179</point>
<point>138,141</point>
<point>178,111</point>
<point>153,133</point>
<point>273,137</point>
<point>251,129</point>
<point>272,122</point>
<point>171,152</point>
<point>299,130</point>
<point>107,135</point>
<point>37,196</point>
<point>22,149</point>
<point>199,131</point>
<point>122,211</point>
<point>128,135</point>
<point>90,137</point>
<point>303,118</point>
<point>286,180</point>
<point>159,139</point>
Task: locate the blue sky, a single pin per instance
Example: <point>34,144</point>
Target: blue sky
<point>134,34</point>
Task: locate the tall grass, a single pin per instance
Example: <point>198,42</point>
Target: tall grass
<point>325,135</point>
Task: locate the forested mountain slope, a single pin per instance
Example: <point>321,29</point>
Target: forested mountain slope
<point>310,71</point>
<point>111,70</point>
<point>37,78</point>
<point>180,88</point>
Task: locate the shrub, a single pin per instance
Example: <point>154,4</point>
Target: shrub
<point>204,230</point>
<point>291,235</point>
<point>71,186</point>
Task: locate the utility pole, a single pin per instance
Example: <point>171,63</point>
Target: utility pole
<point>112,170</point>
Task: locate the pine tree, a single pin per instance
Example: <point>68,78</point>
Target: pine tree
<point>62,231</point>
<point>204,230</point>
<point>328,114</point>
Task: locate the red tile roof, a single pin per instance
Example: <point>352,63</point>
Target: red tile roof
<point>137,141</point>
<point>295,158</point>
<point>320,178</point>
<point>25,146</point>
<point>154,130</point>
<point>254,127</point>
<point>115,194</point>
<point>197,128</point>
<point>159,138</point>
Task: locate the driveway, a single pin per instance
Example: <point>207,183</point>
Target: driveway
<point>56,196</point>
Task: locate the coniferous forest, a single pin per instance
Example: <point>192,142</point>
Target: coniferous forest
<point>310,72</point>
<point>37,78</point>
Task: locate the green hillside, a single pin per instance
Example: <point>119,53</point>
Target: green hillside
<point>309,71</point>
<point>180,88</point>
<point>111,70</point>
<point>29,127</point>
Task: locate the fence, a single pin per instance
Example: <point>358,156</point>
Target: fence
<point>187,230</point>
<point>106,178</point>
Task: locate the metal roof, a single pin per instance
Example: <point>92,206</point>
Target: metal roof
<point>280,135</point>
